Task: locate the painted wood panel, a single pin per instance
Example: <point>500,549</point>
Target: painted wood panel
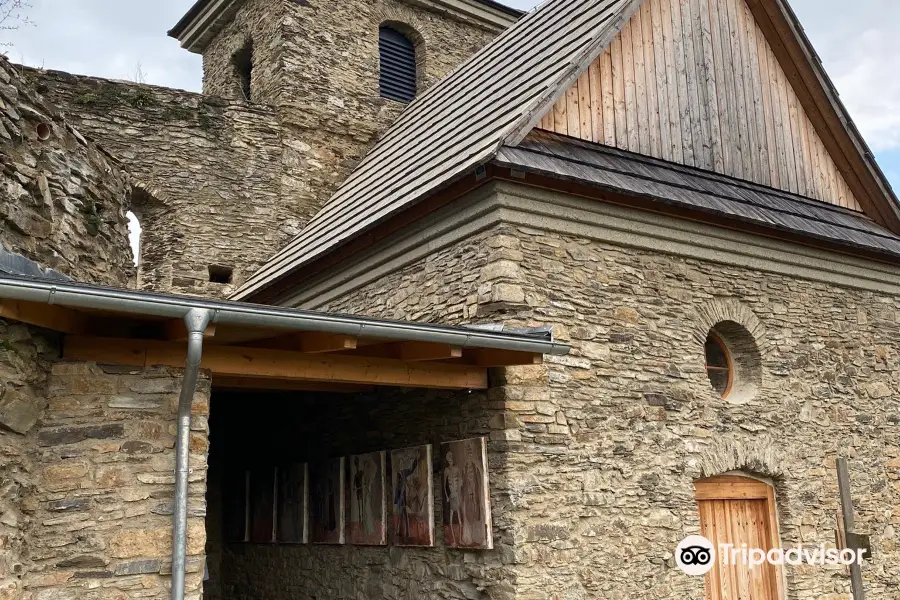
<point>696,82</point>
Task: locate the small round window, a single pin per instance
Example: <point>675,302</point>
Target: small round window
<point>719,366</point>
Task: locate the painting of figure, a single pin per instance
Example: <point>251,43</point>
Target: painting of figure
<point>466,498</point>
<point>367,518</point>
<point>292,516</point>
<point>411,478</point>
<point>236,489</point>
<point>326,481</point>
<point>262,505</point>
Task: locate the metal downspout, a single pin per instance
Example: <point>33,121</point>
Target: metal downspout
<point>196,321</point>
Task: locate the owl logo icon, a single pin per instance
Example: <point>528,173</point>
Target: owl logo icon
<point>695,555</point>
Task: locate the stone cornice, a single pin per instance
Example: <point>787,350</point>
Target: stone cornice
<point>523,206</point>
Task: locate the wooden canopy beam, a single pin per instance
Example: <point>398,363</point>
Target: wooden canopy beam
<point>57,318</point>
<point>262,383</point>
<point>308,342</point>
<point>230,361</point>
<point>489,357</point>
<point>411,351</point>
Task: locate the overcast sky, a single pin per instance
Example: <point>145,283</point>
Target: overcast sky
<point>111,38</point>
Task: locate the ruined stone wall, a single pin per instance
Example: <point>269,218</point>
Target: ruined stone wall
<point>64,200</point>
<point>310,427</point>
<point>102,505</point>
<point>207,174</point>
<point>62,208</point>
<point>604,444</point>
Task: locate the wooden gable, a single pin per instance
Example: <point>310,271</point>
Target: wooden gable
<point>696,82</point>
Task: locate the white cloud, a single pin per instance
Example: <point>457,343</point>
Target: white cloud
<point>859,47</point>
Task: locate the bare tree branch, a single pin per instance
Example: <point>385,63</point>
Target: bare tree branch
<point>13,15</point>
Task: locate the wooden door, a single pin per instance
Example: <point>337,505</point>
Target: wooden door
<point>739,510</point>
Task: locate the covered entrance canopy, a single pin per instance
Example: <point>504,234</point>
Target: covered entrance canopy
<point>259,348</point>
<point>262,347</point>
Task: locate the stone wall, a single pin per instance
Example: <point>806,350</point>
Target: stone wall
<point>64,200</point>
<point>331,109</point>
<point>314,426</point>
<point>206,173</point>
<point>101,509</point>
<point>63,210</point>
<point>604,444</point>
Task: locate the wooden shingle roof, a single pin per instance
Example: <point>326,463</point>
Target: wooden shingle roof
<point>498,97</point>
<point>459,123</point>
<point>689,188</point>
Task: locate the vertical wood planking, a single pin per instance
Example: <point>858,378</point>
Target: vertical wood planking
<point>560,120</point>
<point>797,140</point>
<point>808,173</point>
<point>756,98</point>
<point>740,107</point>
<point>741,11</point>
<point>653,117</point>
<point>684,108</point>
<point>640,83</point>
<point>816,160</point>
<point>596,106</point>
<point>619,93</point>
<point>572,111</point>
<point>701,158</point>
<point>677,135</point>
<point>609,109</point>
<point>731,106</point>
<point>631,112</point>
<point>789,153</point>
<point>662,98</point>
<point>767,113</point>
<point>584,106</point>
<point>709,95</point>
<point>718,73</point>
<point>697,83</point>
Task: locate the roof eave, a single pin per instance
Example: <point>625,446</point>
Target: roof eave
<point>202,22</point>
<point>869,173</point>
<point>486,12</point>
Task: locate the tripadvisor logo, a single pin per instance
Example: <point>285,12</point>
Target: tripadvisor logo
<point>696,555</point>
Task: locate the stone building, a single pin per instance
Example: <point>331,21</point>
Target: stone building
<point>672,185</point>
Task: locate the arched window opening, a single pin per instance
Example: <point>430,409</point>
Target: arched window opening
<point>719,365</point>
<point>733,362</point>
<point>134,236</point>
<point>398,72</point>
<point>242,60</point>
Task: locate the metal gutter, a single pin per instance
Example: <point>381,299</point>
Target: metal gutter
<point>196,321</point>
<point>77,295</point>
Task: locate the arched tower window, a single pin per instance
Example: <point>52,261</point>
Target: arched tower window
<point>398,66</point>
<point>242,61</point>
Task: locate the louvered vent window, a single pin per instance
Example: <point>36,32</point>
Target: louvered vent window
<point>398,66</point>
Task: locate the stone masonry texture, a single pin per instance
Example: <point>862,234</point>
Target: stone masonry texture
<point>205,172</point>
<point>62,206</point>
<point>602,446</point>
<point>225,182</point>
<point>101,509</point>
